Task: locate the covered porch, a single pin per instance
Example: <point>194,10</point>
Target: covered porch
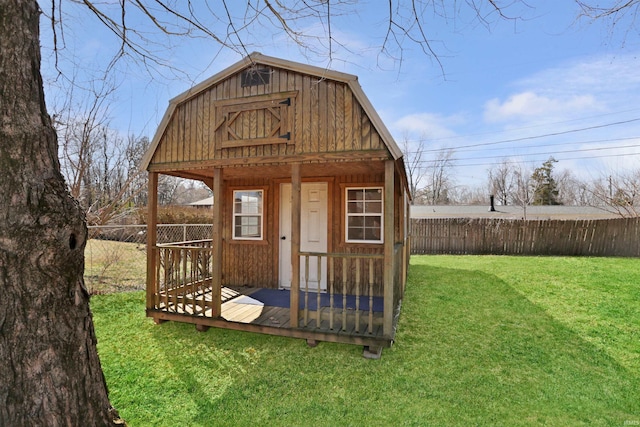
<point>348,311</point>
<point>364,288</point>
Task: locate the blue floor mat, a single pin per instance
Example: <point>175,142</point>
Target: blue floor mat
<point>282,298</point>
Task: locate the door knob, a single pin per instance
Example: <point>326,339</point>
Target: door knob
<point>283,238</point>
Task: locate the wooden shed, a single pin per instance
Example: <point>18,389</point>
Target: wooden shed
<point>310,219</point>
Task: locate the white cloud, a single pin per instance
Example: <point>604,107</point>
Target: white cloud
<point>428,125</point>
<point>599,75</point>
<point>530,105</point>
<point>573,89</point>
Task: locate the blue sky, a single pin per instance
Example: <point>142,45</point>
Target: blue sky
<point>547,84</point>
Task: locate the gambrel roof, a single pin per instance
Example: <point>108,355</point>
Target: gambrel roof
<point>226,118</point>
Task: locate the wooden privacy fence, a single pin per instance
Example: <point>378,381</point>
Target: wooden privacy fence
<point>602,237</point>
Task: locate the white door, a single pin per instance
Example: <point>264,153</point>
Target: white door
<point>313,234</point>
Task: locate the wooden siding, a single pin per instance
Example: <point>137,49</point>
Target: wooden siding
<point>256,263</point>
<point>324,117</point>
<point>248,262</point>
<point>338,236</point>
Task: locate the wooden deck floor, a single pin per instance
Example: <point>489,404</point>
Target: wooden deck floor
<point>241,312</point>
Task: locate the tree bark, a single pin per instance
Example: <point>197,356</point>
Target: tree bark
<point>50,373</point>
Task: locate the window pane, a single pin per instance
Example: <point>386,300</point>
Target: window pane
<point>248,226</point>
<point>247,202</point>
<point>355,207</point>
<point>256,202</point>
<point>355,234</point>
<point>364,214</point>
<point>372,233</point>
<point>247,209</point>
<point>356,221</point>
<point>251,226</point>
<point>355,194</point>
<point>374,207</point>
<point>372,221</point>
<point>373,194</point>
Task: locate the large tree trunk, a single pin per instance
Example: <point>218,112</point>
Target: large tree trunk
<point>50,373</point>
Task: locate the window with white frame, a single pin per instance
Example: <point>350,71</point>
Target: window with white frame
<point>247,214</point>
<point>364,215</point>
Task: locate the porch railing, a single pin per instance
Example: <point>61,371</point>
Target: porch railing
<point>351,283</point>
<point>398,289</point>
<point>184,271</point>
<point>352,303</point>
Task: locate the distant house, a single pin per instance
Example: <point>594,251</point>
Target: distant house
<point>203,203</point>
<point>311,212</point>
<point>510,212</point>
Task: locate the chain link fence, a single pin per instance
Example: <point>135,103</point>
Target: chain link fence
<point>116,255</point>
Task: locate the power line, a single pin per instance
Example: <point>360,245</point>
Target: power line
<point>545,124</point>
<point>515,161</point>
<point>558,144</point>
<point>547,135</point>
<point>548,153</point>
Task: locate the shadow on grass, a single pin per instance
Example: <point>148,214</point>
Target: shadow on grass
<point>469,350</point>
<point>491,353</point>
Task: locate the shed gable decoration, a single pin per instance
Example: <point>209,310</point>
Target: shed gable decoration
<point>255,120</point>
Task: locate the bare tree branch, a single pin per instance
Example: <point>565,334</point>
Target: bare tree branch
<point>502,180</point>
<point>618,193</point>
<point>620,11</point>
<point>439,177</point>
<point>524,188</point>
<point>414,166</point>
<point>617,10</point>
<point>407,24</point>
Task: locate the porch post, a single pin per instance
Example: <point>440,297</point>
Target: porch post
<point>389,237</point>
<point>216,245</point>
<point>295,244</point>
<point>406,235</point>
<point>152,222</point>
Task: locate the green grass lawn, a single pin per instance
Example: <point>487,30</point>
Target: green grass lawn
<point>482,340</point>
<point>112,266</point>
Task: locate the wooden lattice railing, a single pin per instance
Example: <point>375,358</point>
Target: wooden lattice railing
<point>184,271</point>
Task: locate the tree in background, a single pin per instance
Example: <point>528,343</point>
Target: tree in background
<point>618,193</point>
<point>436,173</point>
<point>100,166</point>
<point>439,175</point>
<point>569,188</point>
<point>523,194</point>
<point>502,181</point>
<point>545,188</point>
<point>414,165</point>
<point>465,195</point>
<point>81,123</point>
